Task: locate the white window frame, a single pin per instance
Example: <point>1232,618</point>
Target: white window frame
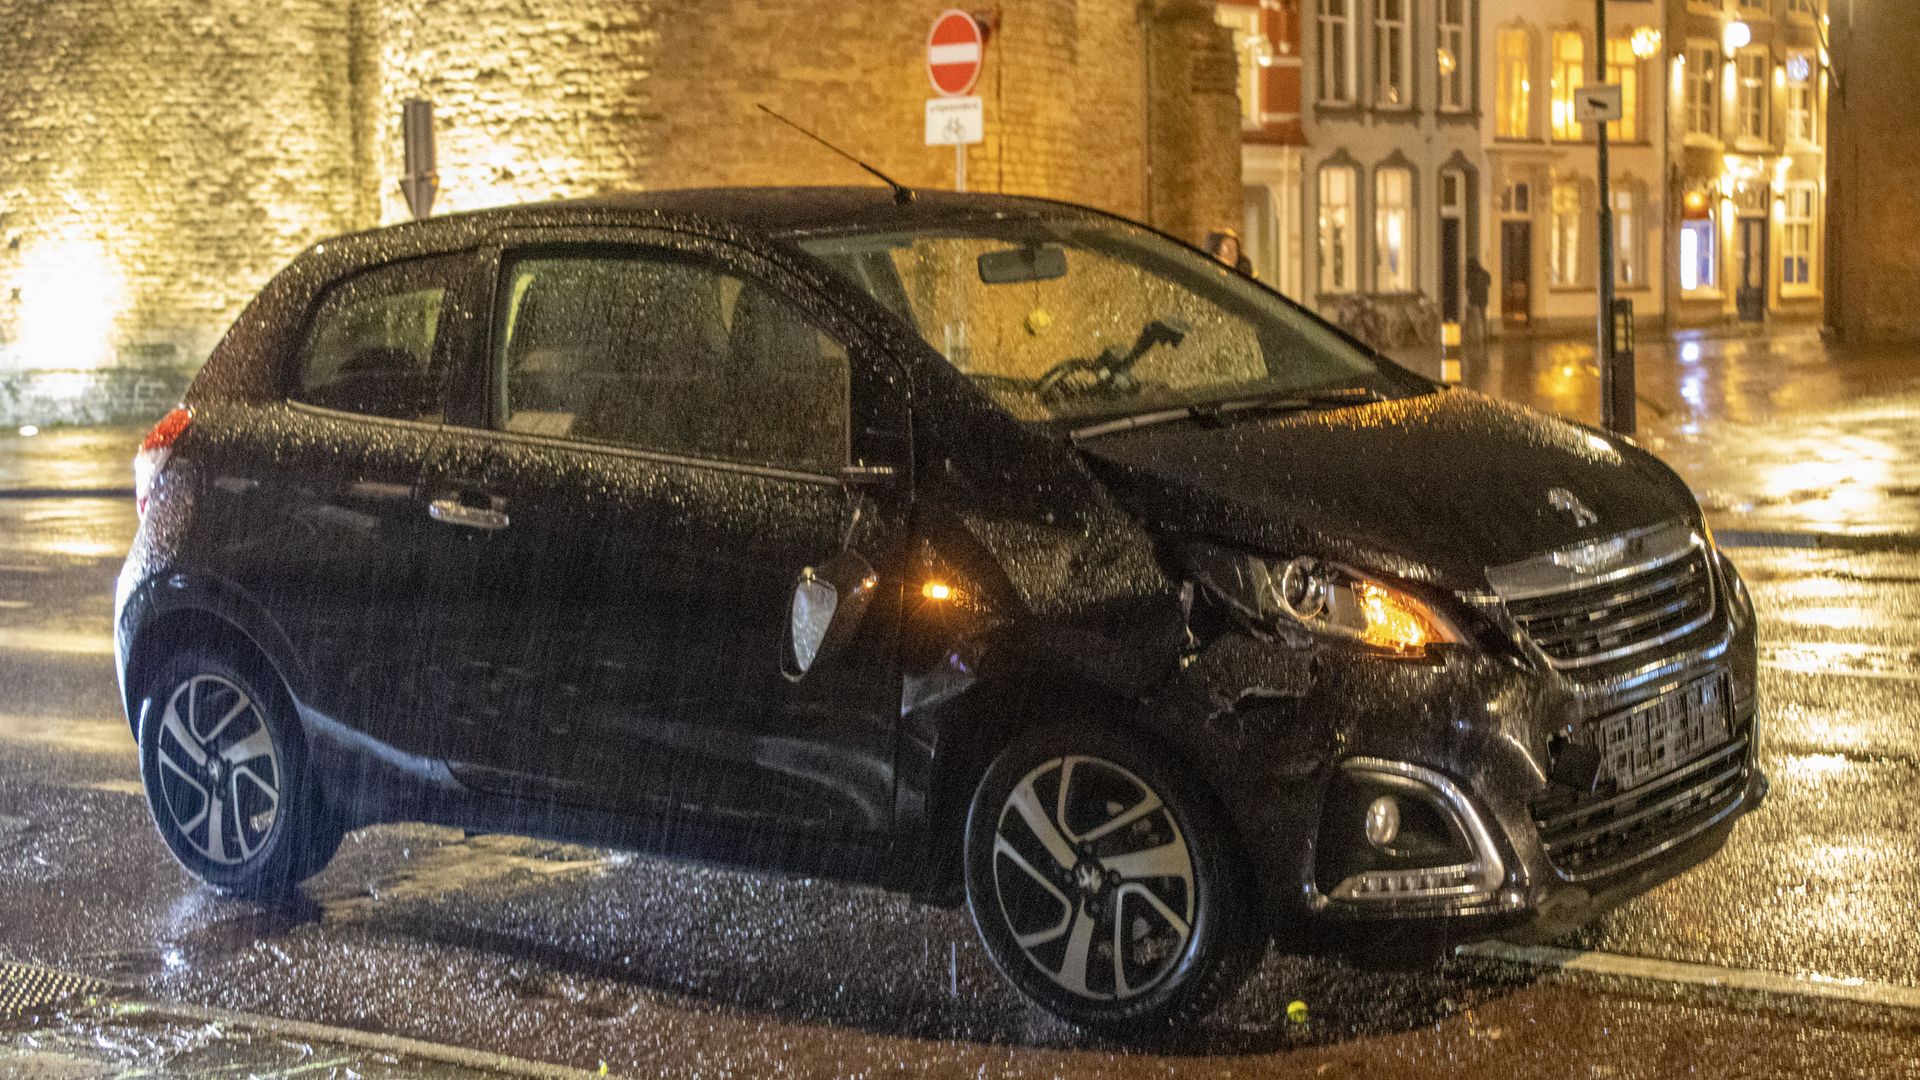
<point>1803,102</point>
<point>1251,48</point>
<point>1392,49</point>
<point>1394,213</point>
<point>1703,89</point>
<point>1567,235</point>
<point>1454,93</point>
<point>1345,240</point>
<point>1630,235</point>
<point>1800,239</point>
<point>1692,281</point>
<point>1750,102</point>
<point>1334,35</point>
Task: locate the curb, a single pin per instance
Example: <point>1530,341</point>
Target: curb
<point>1872,542</point>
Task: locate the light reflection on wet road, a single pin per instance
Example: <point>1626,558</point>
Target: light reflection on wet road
<point>577,956</point>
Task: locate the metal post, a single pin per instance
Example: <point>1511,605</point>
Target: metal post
<point>959,167</point>
<point>1610,409</point>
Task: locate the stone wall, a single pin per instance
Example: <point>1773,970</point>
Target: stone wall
<point>1873,174</point>
<point>159,159</point>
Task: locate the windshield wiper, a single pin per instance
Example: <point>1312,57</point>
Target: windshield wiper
<point>1214,411</point>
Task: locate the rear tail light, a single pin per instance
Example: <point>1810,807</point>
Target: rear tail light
<point>155,449</point>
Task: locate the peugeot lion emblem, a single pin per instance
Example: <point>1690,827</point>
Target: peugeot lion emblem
<point>1562,499</point>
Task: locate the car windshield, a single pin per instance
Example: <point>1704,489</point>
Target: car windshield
<point>1075,320</point>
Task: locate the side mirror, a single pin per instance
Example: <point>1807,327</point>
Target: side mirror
<point>828,603</point>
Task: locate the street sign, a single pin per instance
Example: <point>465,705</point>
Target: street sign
<point>1600,101</point>
<point>955,49</point>
<point>420,180</point>
<point>955,121</point>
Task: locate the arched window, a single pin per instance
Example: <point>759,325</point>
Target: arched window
<point>1338,211</point>
<point>1393,229</point>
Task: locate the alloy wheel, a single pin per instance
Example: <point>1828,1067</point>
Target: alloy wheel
<point>220,775</point>
<point>1094,878</point>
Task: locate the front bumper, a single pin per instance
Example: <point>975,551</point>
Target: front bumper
<point>1290,719</point>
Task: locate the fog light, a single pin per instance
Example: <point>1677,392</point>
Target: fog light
<point>1383,822</point>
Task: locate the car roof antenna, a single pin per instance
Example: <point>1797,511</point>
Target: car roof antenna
<point>902,194</point>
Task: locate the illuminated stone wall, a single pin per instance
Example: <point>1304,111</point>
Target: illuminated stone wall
<point>159,159</point>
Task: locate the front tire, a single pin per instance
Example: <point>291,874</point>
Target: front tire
<point>226,776</point>
<point>1105,885</point>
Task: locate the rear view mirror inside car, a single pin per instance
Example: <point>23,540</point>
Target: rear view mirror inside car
<point>1041,262</point>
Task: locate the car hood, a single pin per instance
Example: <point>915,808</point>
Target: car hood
<point>1436,488</point>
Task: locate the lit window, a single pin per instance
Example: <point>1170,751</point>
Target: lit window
<point>1514,109</point>
<point>1251,46</point>
<point>1337,254</point>
<point>1803,112</point>
<point>1392,55</point>
<point>1799,236</point>
<point>1566,255</point>
<point>1698,240</point>
<point>1454,64</point>
<point>1623,70</point>
<point>1703,90</point>
<point>1751,66</point>
<point>1336,51</point>
<point>1569,72</point>
<point>1393,230</point>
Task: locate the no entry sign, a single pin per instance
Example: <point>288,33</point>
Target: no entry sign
<point>954,52</point>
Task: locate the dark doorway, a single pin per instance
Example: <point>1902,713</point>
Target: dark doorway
<point>1751,296</point>
<point>1516,272</point>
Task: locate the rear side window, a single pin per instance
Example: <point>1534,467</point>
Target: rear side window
<point>661,353</point>
<point>373,347</point>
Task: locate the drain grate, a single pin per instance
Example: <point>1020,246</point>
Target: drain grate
<point>24,987</point>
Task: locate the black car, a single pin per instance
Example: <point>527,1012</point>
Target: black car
<point>991,549</point>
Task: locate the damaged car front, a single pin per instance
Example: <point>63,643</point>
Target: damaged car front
<point>1451,669</point>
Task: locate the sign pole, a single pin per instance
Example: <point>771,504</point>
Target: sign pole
<point>1610,412</point>
<point>959,166</point>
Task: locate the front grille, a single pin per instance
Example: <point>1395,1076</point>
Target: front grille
<point>1588,838</point>
<point>1622,616</point>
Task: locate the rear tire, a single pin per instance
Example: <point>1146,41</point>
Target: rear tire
<point>1105,884</point>
<point>226,776</point>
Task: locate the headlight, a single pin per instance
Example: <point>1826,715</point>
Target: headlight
<point>1323,597</point>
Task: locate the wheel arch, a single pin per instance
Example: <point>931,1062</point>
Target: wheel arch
<point>167,632</point>
<point>968,740</point>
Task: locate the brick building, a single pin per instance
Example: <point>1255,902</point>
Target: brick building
<point>1873,269</point>
<point>159,159</point>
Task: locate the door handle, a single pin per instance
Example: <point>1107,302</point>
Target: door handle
<point>454,512</point>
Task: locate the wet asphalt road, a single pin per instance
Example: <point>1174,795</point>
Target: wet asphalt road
<point>577,956</point>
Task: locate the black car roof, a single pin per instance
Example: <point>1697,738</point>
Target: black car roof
<point>766,210</point>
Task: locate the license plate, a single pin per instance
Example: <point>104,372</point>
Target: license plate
<point>1663,734</point>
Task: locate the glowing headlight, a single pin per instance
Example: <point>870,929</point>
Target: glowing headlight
<point>1323,597</point>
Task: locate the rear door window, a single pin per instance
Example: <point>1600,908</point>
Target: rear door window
<point>375,347</point>
<point>662,353</point>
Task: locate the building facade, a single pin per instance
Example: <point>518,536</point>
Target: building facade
<point>1543,190</point>
<point>1393,171</point>
<point>1266,41</point>
<point>1749,82</point>
<point>160,159</point>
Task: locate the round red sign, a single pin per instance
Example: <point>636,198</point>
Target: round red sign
<point>955,49</point>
